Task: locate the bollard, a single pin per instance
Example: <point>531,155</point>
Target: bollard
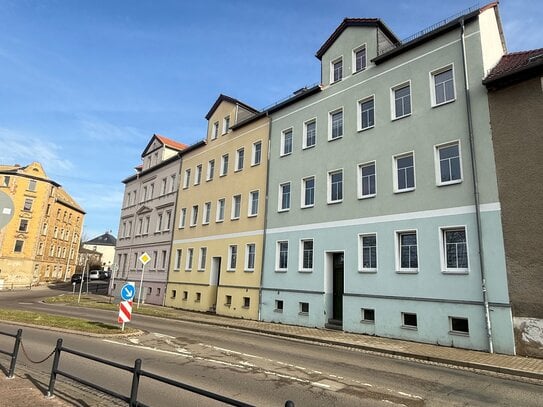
<point>135,384</point>
<point>54,369</point>
<point>14,354</point>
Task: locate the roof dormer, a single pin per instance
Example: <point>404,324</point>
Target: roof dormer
<point>225,113</point>
<point>351,47</point>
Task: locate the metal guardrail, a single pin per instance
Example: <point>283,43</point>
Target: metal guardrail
<point>137,373</point>
<point>13,354</point>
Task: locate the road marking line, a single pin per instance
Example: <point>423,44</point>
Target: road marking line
<point>320,385</point>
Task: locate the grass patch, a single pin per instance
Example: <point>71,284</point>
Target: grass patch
<point>56,321</point>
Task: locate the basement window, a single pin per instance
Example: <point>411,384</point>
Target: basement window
<point>459,326</point>
<point>409,320</point>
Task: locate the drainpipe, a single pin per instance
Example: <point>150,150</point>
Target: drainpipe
<point>265,219</point>
<point>476,193</point>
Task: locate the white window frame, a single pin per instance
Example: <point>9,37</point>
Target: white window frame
<point>194,216</point>
<point>329,186</point>
<point>359,124</point>
<point>413,327</point>
<point>210,170</point>
<point>443,251</point>
<point>433,74</point>
<point>284,132</point>
<point>278,255</point>
<point>178,254</point>
<point>215,130</point>
<point>232,267</point>
<point>182,218</point>
<point>221,207</point>
<point>301,253</point>
<point>186,179</point>
<point>251,211</point>
<point>236,207</point>
<point>397,238</point>
<point>304,190</point>
<point>189,259</point>
<point>202,259</point>
<point>395,159</point>
<point>454,332</point>
<point>207,213</point>
<point>355,51</point>
<point>330,115</point>
<point>254,152</point>
<point>360,179</point>
<point>280,207</point>
<point>304,138</point>
<point>240,152</point>
<point>393,90</point>
<point>225,124</point>
<point>224,165</point>
<point>247,255</point>
<point>437,162</point>
<point>361,267</point>
<point>333,62</point>
<point>198,174</point>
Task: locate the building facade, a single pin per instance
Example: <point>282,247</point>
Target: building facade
<point>146,222</point>
<point>41,242</point>
<point>104,244</point>
<point>383,215</point>
<point>515,92</point>
<point>218,239</point>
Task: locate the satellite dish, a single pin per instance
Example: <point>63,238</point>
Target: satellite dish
<point>6,209</point>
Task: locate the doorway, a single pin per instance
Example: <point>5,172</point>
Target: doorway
<point>337,287</point>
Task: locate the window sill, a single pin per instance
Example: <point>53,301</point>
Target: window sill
<point>407,272</point>
<point>330,139</point>
<point>285,154</point>
<point>255,164</point>
<point>442,103</point>
<point>222,175</point>
<point>249,271</point>
<point>368,271</point>
<point>303,313</point>
<point>307,206</point>
<point>283,210</point>
<point>200,270</point>
<point>366,321</point>
<point>401,117</point>
<point>335,202</point>
<point>227,305</point>
<point>281,271</point>
<point>205,223</point>
<point>365,128</point>
<point>401,191</point>
<point>306,271</point>
<point>219,221</point>
<point>458,333</point>
<point>460,272</point>
<point>410,328</point>
<point>367,196</point>
<point>234,218</point>
<point>444,184</point>
<point>253,215</point>
<point>280,311</point>
<point>308,147</point>
<point>188,270</point>
<point>245,307</point>
<point>238,170</point>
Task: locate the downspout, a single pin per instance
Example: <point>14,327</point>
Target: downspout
<point>265,219</point>
<point>476,193</point>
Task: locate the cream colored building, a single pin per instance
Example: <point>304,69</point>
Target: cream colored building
<point>41,241</point>
<point>218,238</point>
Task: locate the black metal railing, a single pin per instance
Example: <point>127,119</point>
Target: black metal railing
<point>13,354</point>
<point>137,372</point>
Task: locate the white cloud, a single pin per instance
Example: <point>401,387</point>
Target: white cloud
<point>18,148</point>
<point>101,130</point>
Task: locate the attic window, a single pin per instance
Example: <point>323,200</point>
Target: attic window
<point>336,70</point>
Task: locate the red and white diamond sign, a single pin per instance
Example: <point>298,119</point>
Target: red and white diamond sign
<point>125,311</point>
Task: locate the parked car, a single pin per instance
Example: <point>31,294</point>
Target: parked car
<point>77,277</point>
<point>105,274</point>
<point>94,274</point>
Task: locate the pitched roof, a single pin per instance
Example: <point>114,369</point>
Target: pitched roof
<point>65,198</point>
<point>514,65</point>
<point>225,98</point>
<point>103,240</point>
<point>356,22</point>
<point>171,143</point>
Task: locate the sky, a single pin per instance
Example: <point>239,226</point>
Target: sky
<point>84,85</point>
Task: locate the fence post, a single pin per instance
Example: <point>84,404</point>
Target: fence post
<point>15,352</point>
<point>135,384</point>
<point>54,369</point>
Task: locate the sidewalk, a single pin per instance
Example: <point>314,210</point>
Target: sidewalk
<point>23,390</point>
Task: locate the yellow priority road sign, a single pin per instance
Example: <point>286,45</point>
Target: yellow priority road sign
<point>145,258</point>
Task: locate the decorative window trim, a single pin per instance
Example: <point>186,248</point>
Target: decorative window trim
<point>282,152</point>
<point>437,163</point>
<point>280,197</point>
<point>361,268</point>
<point>217,212</point>
<point>332,70</point>
<point>303,189</point>
<point>393,90</point>
<point>329,199</point>
<point>330,114</point>
<point>442,250</point>
<point>301,267</point>
<point>359,180</point>
<point>359,104</point>
<point>397,252</point>
<point>432,76</point>
<point>304,137</point>
<point>395,172</point>
<point>250,214</point>
<point>278,256</point>
<point>233,215</point>
<point>253,153</point>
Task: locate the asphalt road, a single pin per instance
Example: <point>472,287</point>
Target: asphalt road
<point>259,369</point>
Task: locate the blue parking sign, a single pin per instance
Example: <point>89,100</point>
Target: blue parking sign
<point>128,291</point>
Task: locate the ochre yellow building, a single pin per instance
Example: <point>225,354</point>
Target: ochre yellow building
<point>217,246</point>
<point>41,241</point>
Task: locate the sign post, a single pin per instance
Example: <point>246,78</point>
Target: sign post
<point>144,258</point>
<point>125,307</point>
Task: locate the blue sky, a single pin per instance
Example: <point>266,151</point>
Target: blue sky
<point>85,84</point>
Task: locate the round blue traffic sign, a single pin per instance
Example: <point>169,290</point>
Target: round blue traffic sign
<point>128,291</point>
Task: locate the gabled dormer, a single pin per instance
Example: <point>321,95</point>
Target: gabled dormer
<point>352,46</point>
<point>225,113</point>
<point>159,149</point>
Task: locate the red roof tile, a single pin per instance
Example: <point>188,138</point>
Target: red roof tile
<point>515,62</point>
<point>171,143</point>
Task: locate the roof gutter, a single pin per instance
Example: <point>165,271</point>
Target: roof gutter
<point>476,191</point>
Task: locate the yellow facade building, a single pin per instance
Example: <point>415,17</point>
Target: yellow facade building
<point>217,246</point>
<point>41,241</point>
